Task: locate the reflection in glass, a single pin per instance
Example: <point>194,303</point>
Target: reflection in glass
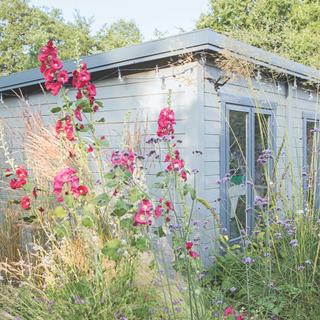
<point>261,143</point>
<point>238,146</point>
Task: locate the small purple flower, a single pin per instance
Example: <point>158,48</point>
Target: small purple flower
<point>177,309</point>
<point>224,229</point>
<point>307,262</point>
<point>180,287</point>
<point>124,318</point>
<point>151,310</point>
<point>102,301</point>
<point>119,251</point>
<point>165,309</point>
<point>300,268</point>
<point>206,247</point>
<point>233,289</point>
<point>179,141</point>
<point>195,170</point>
<point>202,276</point>
<point>216,314</point>
<point>129,284</point>
<point>219,302</point>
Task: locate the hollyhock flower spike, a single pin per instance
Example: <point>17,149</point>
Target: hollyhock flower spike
<point>78,114</point>
<point>25,203</point>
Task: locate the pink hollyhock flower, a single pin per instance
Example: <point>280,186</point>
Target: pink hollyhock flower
<point>49,74</point>
<point>90,149</point>
<point>74,183</point>
<point>131,155</point>
<point>140,218</point>
<point>63,76</point>
<point>79,94</point>
<point>102,137</point>
<point>145,206</point>
<point>91,89</point>
<point>81,127</point>
<point>13,184</point>
<point>21,172</point>
<point>168,158</point>
<point>183,175</point>
<point>43,67</point>
<point>25,203</point>
<point>60,199</point>
<point>55,88</point>
<point>229,310</point>
<point>95,108</point>
<point>64,175</point>
<point>165,131</point>
<point>57,187</point>
<point>177,165</point>
<point>193,254</point>
<point>158,212</point>
<point>35,193</point>
<point>166,118</point>
<point>8,174</point>
<point>84,66</point>
<point>20,184</point>
<point>78,114</point>
<point>83,190</point>
<point>189,245</point>
<point>84,76</point>
<point>56,63</point>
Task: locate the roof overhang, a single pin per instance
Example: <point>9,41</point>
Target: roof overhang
<point>165,48</point>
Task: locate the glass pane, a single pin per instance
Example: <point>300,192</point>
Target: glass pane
<point>311,162</point>
<point>238,145</point>
<point>261,143</point>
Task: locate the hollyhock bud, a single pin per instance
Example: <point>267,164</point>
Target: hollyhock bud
<point>20,184</point>
<point>41,209</point>
<point>25,203</point>
<point>81,127</point>
<point>8,174</point>
<point>95,108</point>
<point>102,137</point>
<point>43,67</point>
<point>183,175</point>
<point>63,76</point>
<point>21,172</point>
<point>168,219</point>
<point>83,190</point>
<point>35,193</point>
<point>60,199</point>
<point>90,149</point>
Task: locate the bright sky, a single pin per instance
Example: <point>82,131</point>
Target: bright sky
<point>148,14</point>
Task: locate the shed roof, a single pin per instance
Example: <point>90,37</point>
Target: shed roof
<point>195,41</point>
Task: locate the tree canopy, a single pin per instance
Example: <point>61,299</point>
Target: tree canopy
<point>24,29</point>
<point>289,28</point>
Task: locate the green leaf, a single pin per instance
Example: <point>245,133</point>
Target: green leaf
<point>87,110</point>
<point>59,212</point>
<point>126,223</point>
<point>81,103</point>
<point>109,175</point>
<point>185,189</point>
<point>152,264</point>
<point>134,195</point>
<point>15,201</point>
<point>89,220</point>
<point>69,200</point>
<point>29,187</point>
<point>103,143</point>
<point>29,219</point>
<point>62,229</point>
<point>63,119</point>
<point>100,104</point>
<point>101,120</point>
<point>192,193</point>
<point>55,110</point>
<point>111,249</point>
<point>111,183</point>
<point>142,243</point>
<point>230,317</point>
<point>159,232</point>
<point>121,208</point>
<point>160,174</point>
<point>103,197</point>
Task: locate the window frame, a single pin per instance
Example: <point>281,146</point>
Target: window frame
<point>244,104</point>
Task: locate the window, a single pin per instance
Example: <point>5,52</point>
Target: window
<point>311,180</point>
<point>246,133</point>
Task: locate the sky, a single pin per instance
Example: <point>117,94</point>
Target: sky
<point>165,15</point>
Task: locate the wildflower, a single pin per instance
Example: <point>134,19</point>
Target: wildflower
<point>180,287</point>
<point>206,247</point>
<point>119,251</point>
<point>307,262</point>
<point>202,276</point>
<point>224,229</point>
<point>300,268</point>
<point>165,309</point>
<point>219,302</point>
<point>151,310</point>
<point>129,284</point>
<point>177,309</point>
<point>195,170</point>
<point>62,75</point>
<point>117,315</point>
<point>216,314</point>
